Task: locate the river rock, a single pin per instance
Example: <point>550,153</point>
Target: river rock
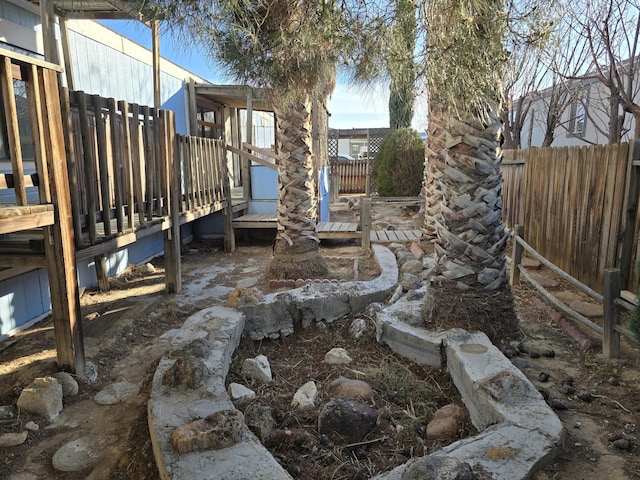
<point>446,422</point>
<point>412,266</point>
<point>69,384</point>
<point>306,396</point>
<point>358,327</point>
<point>350,388</point>
<point>13,439</point>
<point>42,397</point>
<point>258,368</point>
<point>240,393</point>
<point>337,356</point>
<point>346,418</point>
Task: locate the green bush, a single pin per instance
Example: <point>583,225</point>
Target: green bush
<point>398,167</point>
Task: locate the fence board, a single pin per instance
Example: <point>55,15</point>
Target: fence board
<point>570,201</point>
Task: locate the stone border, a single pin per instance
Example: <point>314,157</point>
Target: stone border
<point>519,432</point>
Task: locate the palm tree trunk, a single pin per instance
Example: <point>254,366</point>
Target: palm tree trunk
<point>469,285</point>
<point>296,252</point>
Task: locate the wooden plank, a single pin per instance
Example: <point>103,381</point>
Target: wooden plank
<point>13,132</point>
<point>261,151</point>
<point>127,160</point>
<point>26,222</point>
<point>229,234</point>
<point>24,261</point>
<point>611,314</point>
<point>27,60</point>
<point>90,175</point>
<point>35,117</point>
<point>137,146</point>
<point>103,169</point>
<point>248,156</point>
<point>118,167</point>
<point>149,163</point>
<point>63,280</point>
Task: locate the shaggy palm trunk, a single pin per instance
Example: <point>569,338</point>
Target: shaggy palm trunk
<point>469,285</point>
<point>296,252</point>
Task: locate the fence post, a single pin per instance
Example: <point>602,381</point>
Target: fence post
<point>365,221</point>
<point>516,258</point>
<point>611,318</point>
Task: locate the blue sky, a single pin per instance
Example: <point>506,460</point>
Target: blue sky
<point>350,107</point>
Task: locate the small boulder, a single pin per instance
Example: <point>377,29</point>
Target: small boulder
<point>350,388</point>
<point>346,418</point>
<point>258,368</point>
<point>69,384</point>
<point>412,266</point>
<point>260,421</point>
<point>218,430</point>
<point>403,257</point>
<point>409,281</point>
<point>358,327</point>
<point>337,356</point>
<point>305,397</point>
<point>442,468</point>
<point>42,397</point>
<point>13,439</point>
<point>240,393</point>
<point>446,422</point>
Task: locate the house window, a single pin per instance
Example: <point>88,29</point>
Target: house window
<point>578,121</point>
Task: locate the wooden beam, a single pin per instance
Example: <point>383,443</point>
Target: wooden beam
<point>172,241</point>
<point>47,17</point>
<point>249,156</point>
<point>193,107</point>
<point>24,260</point>
<point>61,262</point>
<point>155,46</point>
<point>26,222</point>
<point>261,151</point>
<point>23,60</point>
<point>66,54</point>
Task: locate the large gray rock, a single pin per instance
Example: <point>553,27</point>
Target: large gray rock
<point>440,468</point>
<point>69,384</point>
<point>337,356</point>
<point>346,418</point>
<point>43,397</point>
<point>412,266</point>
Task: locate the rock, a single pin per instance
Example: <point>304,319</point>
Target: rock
<point>32,426</point>
<point>240,393</point>
<point>116,393</point>
<point>243,296</point>
<point>358,327</point>
<point>337,356</point>
<point>247,282</point>
<point>346,418</point>
<point>258,368</point>
<point>396,295</point>
<point>543,377</point>
<point>521,364</point>
<point>409,281</point>
<point>428,262</point>
<point>69,384</point>
<point>8,412</point>
<point>79,454</point>
<point>43,397</point>
<point>147,269</point>
<point>13,439</point>
<point>218,430</point>
<point>557,404</point>
<point>350,388</point>
<point>613,381</point>
<point>446,422</point>
<point>260,421</point>
<point>373,308</point>
<point>412,266</point>
<point>415,294</point>
<point>622,444</point>
<point>417,251</point>
<point>186,372</point>
<point>403,257</point>
<point>585,396</point>
<point>305,396</point>
<point>441,468</point>
<point>90,372</point>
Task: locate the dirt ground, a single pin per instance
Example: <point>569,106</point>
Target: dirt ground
<point>123,342</point>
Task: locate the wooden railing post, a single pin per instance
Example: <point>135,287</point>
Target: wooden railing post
<point>611,317</point>
<point>365,221</point>
<point>518,231</point>
<point>173,265</point>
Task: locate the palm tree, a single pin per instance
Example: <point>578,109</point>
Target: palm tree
<point>289,48</point>
<point>469,285</point>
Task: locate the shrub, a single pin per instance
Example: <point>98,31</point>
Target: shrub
<point>398,167</point>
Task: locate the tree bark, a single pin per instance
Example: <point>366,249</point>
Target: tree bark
<point>296,252</point>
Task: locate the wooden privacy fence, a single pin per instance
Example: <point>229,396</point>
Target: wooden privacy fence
<point>352,177</point>
<point>578,206</point>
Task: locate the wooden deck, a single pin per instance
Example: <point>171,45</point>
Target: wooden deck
<point>331,230</point>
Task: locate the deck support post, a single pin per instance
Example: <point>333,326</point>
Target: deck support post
<point>172,242</point>
<point>365,221</point>
<point>59,242</point>
<point>102,273</point>
<point>611,315</point>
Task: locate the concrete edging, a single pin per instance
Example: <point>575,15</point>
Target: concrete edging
<point>520,433</point>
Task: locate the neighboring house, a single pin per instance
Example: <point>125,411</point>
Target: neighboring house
<point>584,119</point>
<point>105,63</point>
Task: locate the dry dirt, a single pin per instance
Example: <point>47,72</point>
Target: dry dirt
<point>122,339</point>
